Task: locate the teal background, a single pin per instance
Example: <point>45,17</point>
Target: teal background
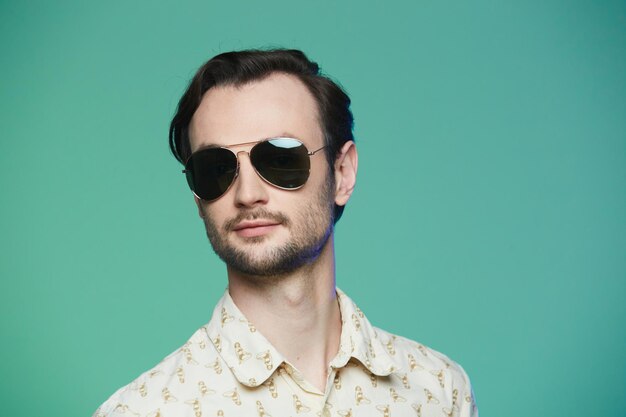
<point>489,220</point>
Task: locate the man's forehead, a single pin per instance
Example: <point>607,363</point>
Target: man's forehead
<point>278,105</point>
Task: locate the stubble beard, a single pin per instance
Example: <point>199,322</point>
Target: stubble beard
<point>310,228</point>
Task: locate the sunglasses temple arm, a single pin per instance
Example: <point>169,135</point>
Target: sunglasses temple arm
<point>317,150</point>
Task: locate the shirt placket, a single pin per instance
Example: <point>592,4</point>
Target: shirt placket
<point>306,393</point>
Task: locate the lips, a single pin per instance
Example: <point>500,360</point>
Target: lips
<point>251,224</point>
<point>252,228</point>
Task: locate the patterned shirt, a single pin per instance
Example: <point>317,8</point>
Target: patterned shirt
<point>227,368</point>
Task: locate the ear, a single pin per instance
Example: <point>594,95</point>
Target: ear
<point>345,173</point>
<point>199,204</point>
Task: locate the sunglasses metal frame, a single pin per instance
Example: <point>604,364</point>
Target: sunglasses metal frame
<point>256,143</point>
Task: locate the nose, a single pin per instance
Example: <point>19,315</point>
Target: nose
<point>250,189</point>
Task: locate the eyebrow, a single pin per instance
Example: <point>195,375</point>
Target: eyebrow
<point>209,146</point>
<point>215,145</point>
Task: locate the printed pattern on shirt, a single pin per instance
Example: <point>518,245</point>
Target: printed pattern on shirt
<point>227,368</point>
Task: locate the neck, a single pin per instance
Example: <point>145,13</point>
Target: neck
<point>297,313</point>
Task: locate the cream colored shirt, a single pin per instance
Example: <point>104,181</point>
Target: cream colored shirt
<point>228,368</point>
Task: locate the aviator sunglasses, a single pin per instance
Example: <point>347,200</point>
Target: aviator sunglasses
<point>282,162</point>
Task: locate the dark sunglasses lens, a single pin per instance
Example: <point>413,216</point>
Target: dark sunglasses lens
<point>283,162</point>
<point>210,172</point>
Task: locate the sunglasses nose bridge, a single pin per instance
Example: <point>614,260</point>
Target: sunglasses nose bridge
<point>248,182</point>
<point>247,153</point>
<point>239,159</point>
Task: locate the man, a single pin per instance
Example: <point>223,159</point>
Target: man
<point>269,154</point>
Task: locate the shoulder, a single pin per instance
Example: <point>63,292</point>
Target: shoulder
<point>150,390</point>
<point>434,370</point>
<point>399,346</point>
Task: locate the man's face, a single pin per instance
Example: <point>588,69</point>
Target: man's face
<point>254,227</point>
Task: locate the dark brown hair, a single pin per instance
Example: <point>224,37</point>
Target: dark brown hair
<point>241,67</point>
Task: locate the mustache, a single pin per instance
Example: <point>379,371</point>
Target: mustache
<point>259,213</point>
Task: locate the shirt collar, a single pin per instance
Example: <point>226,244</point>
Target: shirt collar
<point>253,359</point>
<point>248,354</point>
<point>360,340</point>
